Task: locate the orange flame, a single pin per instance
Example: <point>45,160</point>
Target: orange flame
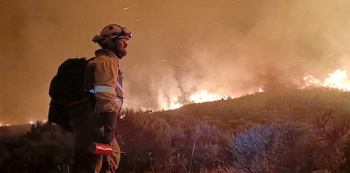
<point>200,97</point>
<point>261,89</point>
<point>338,80</point>
<point>174,104</point>
<point>204,97</point>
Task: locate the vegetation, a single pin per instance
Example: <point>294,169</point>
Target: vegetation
<point>293,131</point>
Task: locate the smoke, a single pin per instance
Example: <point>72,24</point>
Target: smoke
<point>179,47</point>
<point>234,47</point>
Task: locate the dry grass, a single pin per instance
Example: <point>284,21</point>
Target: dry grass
<point>293,131</point>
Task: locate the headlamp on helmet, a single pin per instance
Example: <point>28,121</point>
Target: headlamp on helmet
<point>115,31</point>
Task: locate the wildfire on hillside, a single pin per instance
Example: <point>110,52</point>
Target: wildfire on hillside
<point>200,97</point>
<point>337,80</point>
<point>204,96</point>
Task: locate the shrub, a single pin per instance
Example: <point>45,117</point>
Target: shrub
<point>321,145</point>
<point>44,149</point>
<point>250,146</point>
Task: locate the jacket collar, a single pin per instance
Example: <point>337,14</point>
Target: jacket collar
<point>105,52</point>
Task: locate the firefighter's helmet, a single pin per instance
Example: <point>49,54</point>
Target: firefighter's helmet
<point>111,32</point>
<point>115,31</point>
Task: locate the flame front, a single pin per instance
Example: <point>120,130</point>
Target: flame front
<point>174,104</point>
<point>199,97</point>
<point>205,97</point>
<point>337,80</point>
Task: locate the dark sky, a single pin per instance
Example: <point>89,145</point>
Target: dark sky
<point>179,47</point>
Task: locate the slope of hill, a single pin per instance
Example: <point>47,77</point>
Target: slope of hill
<point>203,132</point>
<point>14,130</point>
<point>293,131</point>
<point>299,106</point>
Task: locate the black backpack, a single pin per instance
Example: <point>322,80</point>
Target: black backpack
<point>69,92</point>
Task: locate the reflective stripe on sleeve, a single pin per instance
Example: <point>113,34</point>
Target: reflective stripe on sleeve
<point>104,89</point>
<point>119,86</point>
<point>119,102</point>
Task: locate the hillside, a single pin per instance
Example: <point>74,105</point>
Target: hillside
<point>291,106</point>
<point>14,130</point>
<point>293,131</point>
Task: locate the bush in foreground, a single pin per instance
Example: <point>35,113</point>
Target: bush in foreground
<point>323,145</point>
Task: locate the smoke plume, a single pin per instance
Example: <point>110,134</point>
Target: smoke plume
<point>179,47</point>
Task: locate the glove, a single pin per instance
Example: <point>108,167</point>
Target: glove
<point>108,120</point>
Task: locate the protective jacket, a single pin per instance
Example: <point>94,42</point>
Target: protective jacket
<point>108,86</point>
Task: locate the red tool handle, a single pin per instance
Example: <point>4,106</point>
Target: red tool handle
<point>103,148</point>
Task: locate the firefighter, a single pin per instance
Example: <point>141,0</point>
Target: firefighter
<point>99,124</point>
